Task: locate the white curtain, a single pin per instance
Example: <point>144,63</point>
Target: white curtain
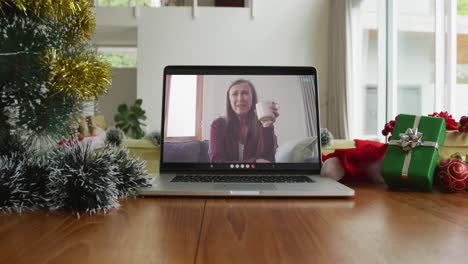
<point>339,69</point>
<point>309,101</point>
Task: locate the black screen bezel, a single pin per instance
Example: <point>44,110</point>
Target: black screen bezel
<point>171,167</point>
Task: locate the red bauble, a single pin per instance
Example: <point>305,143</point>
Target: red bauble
<point>453,175</point>
<point>388,127</point>
<point>464,120</point>
<point>463,128</point>
<point>450,123</point>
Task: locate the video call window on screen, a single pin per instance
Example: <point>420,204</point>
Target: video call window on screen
<point>240,118</point>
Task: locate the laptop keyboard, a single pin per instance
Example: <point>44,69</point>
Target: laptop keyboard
<point>243,178</point>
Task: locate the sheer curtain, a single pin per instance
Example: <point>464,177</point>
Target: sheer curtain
<point>309,101</point>
<point>339,69</point>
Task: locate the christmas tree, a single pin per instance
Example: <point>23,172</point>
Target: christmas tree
<point>47,70</point>
<point>47,67</point>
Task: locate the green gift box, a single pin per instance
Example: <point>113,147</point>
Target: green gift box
<point>412,154</point>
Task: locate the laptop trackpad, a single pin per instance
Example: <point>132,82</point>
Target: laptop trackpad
<point>244,187</point>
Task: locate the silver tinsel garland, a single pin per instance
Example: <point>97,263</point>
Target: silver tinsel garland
<point>18,191</point>
<point>81,180</point>
<point>71,177</point>
<point>114,136</point>
<point>129,172</point>
<point>47,68</point>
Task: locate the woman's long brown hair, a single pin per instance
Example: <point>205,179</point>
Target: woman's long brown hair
<point>233,126</point>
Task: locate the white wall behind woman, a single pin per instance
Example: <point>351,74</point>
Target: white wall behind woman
<point>122,90</point>
<point>293,33</point>
<point>285,90</point>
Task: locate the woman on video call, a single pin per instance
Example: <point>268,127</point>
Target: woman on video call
<point>240,136</point>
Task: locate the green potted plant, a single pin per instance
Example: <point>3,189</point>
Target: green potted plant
<point>129,119</point>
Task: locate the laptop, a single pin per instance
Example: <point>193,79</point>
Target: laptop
<point>241,131</point>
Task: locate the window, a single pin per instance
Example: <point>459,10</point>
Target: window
<point>414,90</point>
<point>128,2</point>
<point>184,95</point>
<point>461,89</point>
<point>407,57</point>
<point>368,79</point>
<point>119,57</point>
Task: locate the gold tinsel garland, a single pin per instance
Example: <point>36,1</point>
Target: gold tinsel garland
<point>82,76</point>
<point>78,13</point>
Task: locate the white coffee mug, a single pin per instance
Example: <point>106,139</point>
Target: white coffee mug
<point>264,112</point>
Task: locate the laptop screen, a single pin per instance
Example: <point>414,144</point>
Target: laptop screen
<point>240,118</point>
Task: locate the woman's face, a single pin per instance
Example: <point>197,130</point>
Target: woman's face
<point>240,97</point>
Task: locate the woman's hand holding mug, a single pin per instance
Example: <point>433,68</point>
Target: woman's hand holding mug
<point>267,113</point>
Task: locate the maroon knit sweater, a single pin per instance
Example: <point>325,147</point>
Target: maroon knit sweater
<point>223,149</point>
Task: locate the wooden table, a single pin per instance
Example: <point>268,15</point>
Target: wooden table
<point>376,226</point>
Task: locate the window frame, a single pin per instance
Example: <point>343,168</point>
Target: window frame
<point>387,55</point>
<point>198,117</point>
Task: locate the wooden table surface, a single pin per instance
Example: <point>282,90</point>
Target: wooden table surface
<point>376,226</point>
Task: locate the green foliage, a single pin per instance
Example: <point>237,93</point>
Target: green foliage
<point>122,60</point>
<point>112,2</point>
<point>41,45</point>
<point>462,7</point>
<point>24,78</point>
<point>462,73</point>
<point>128,119</point>
<point>462,79</point>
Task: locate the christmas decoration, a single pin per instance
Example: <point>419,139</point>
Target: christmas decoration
<point>326,137</point>
<point>47,70</point>
<point>410,161</point>
<point>129,172</point>
<point>12,144</point>
<point>11,183</point>
<point>90,76</point>
<point>22,182</point>
<point>460,156</point>
<point>77,14</point>
<point>23,78</point>
<point>332,168</point>
<point>56,117</point>
<point>155,137</point>
<point>70,141</point>
<point>388,128</point>
<point>453,175</point>
<point>455,141</point>
<point>81,180</point>
<point>47,67</point>
<point>361,163</point>
<point>463,124</point>
<point>114,136</point>
<point>450,123</point>
<point>72,176</point>
<point>36,172</point>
